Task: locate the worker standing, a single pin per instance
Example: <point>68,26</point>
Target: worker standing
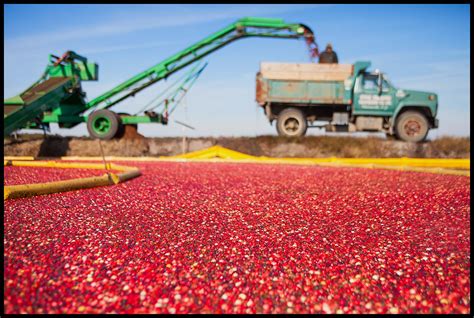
<point>328,55</point>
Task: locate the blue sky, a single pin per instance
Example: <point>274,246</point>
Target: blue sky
<point>424,47</point>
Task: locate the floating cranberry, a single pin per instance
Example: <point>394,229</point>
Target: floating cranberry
<point>240,238</point>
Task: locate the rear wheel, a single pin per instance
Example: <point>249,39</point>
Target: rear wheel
<point>412,126</point>
<point>291,122</point>
<point>103,124</point>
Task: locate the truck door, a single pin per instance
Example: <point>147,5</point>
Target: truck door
<point>373,95</point>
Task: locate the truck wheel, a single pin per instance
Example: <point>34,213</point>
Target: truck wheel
<point>103,124</point>
<point>411,126</point>
<point>291,122</point>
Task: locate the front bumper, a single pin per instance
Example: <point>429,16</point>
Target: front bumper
<point>435,123</point>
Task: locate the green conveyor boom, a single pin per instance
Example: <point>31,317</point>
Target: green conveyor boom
<point>57,105</point>
<point>246,27</point>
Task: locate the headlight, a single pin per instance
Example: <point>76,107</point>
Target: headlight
<point>432,97</point>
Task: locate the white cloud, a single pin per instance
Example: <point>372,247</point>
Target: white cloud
<point>443,76</point>
<point>447,60</point>
<point>115,48</point>
<point>120,24</point>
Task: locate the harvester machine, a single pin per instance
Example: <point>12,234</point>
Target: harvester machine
<point>58,96</point>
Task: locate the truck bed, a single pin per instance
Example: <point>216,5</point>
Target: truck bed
<point>304,84</point>
<point>306,72</point>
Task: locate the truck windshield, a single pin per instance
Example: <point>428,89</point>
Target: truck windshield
<point>387,83</point>
<point>370,82</point>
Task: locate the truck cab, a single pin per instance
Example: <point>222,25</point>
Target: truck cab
<point>350,99</point>
<point>375,96</point>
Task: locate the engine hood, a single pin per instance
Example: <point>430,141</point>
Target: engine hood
<point>417,95</point>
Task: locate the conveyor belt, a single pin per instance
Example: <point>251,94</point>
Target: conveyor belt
<point>43,88</point>
<point>33,103</point>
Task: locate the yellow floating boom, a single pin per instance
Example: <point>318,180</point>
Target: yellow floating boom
<point>26,190</point>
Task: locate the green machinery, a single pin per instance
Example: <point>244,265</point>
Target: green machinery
<point>58,96</point>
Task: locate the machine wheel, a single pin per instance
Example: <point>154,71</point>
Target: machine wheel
<point>411,126</point>
<point>103,124</point>
<point>291,122</point>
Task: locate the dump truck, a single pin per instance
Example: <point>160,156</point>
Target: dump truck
<point>345,97</point>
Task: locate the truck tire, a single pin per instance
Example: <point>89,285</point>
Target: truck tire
<point>291,122</point>
<point>411,126</point>
<point>103,124</point>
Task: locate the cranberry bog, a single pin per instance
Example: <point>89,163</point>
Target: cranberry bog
<point>208,237</point>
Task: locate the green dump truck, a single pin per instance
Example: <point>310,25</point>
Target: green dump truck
<point>346,96</point>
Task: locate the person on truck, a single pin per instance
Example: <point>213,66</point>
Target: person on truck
<point>328,55</point>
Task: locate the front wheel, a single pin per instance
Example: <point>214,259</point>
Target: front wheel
<point>291,122</point>
<point>103,124</point>
<point>412,126</point>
